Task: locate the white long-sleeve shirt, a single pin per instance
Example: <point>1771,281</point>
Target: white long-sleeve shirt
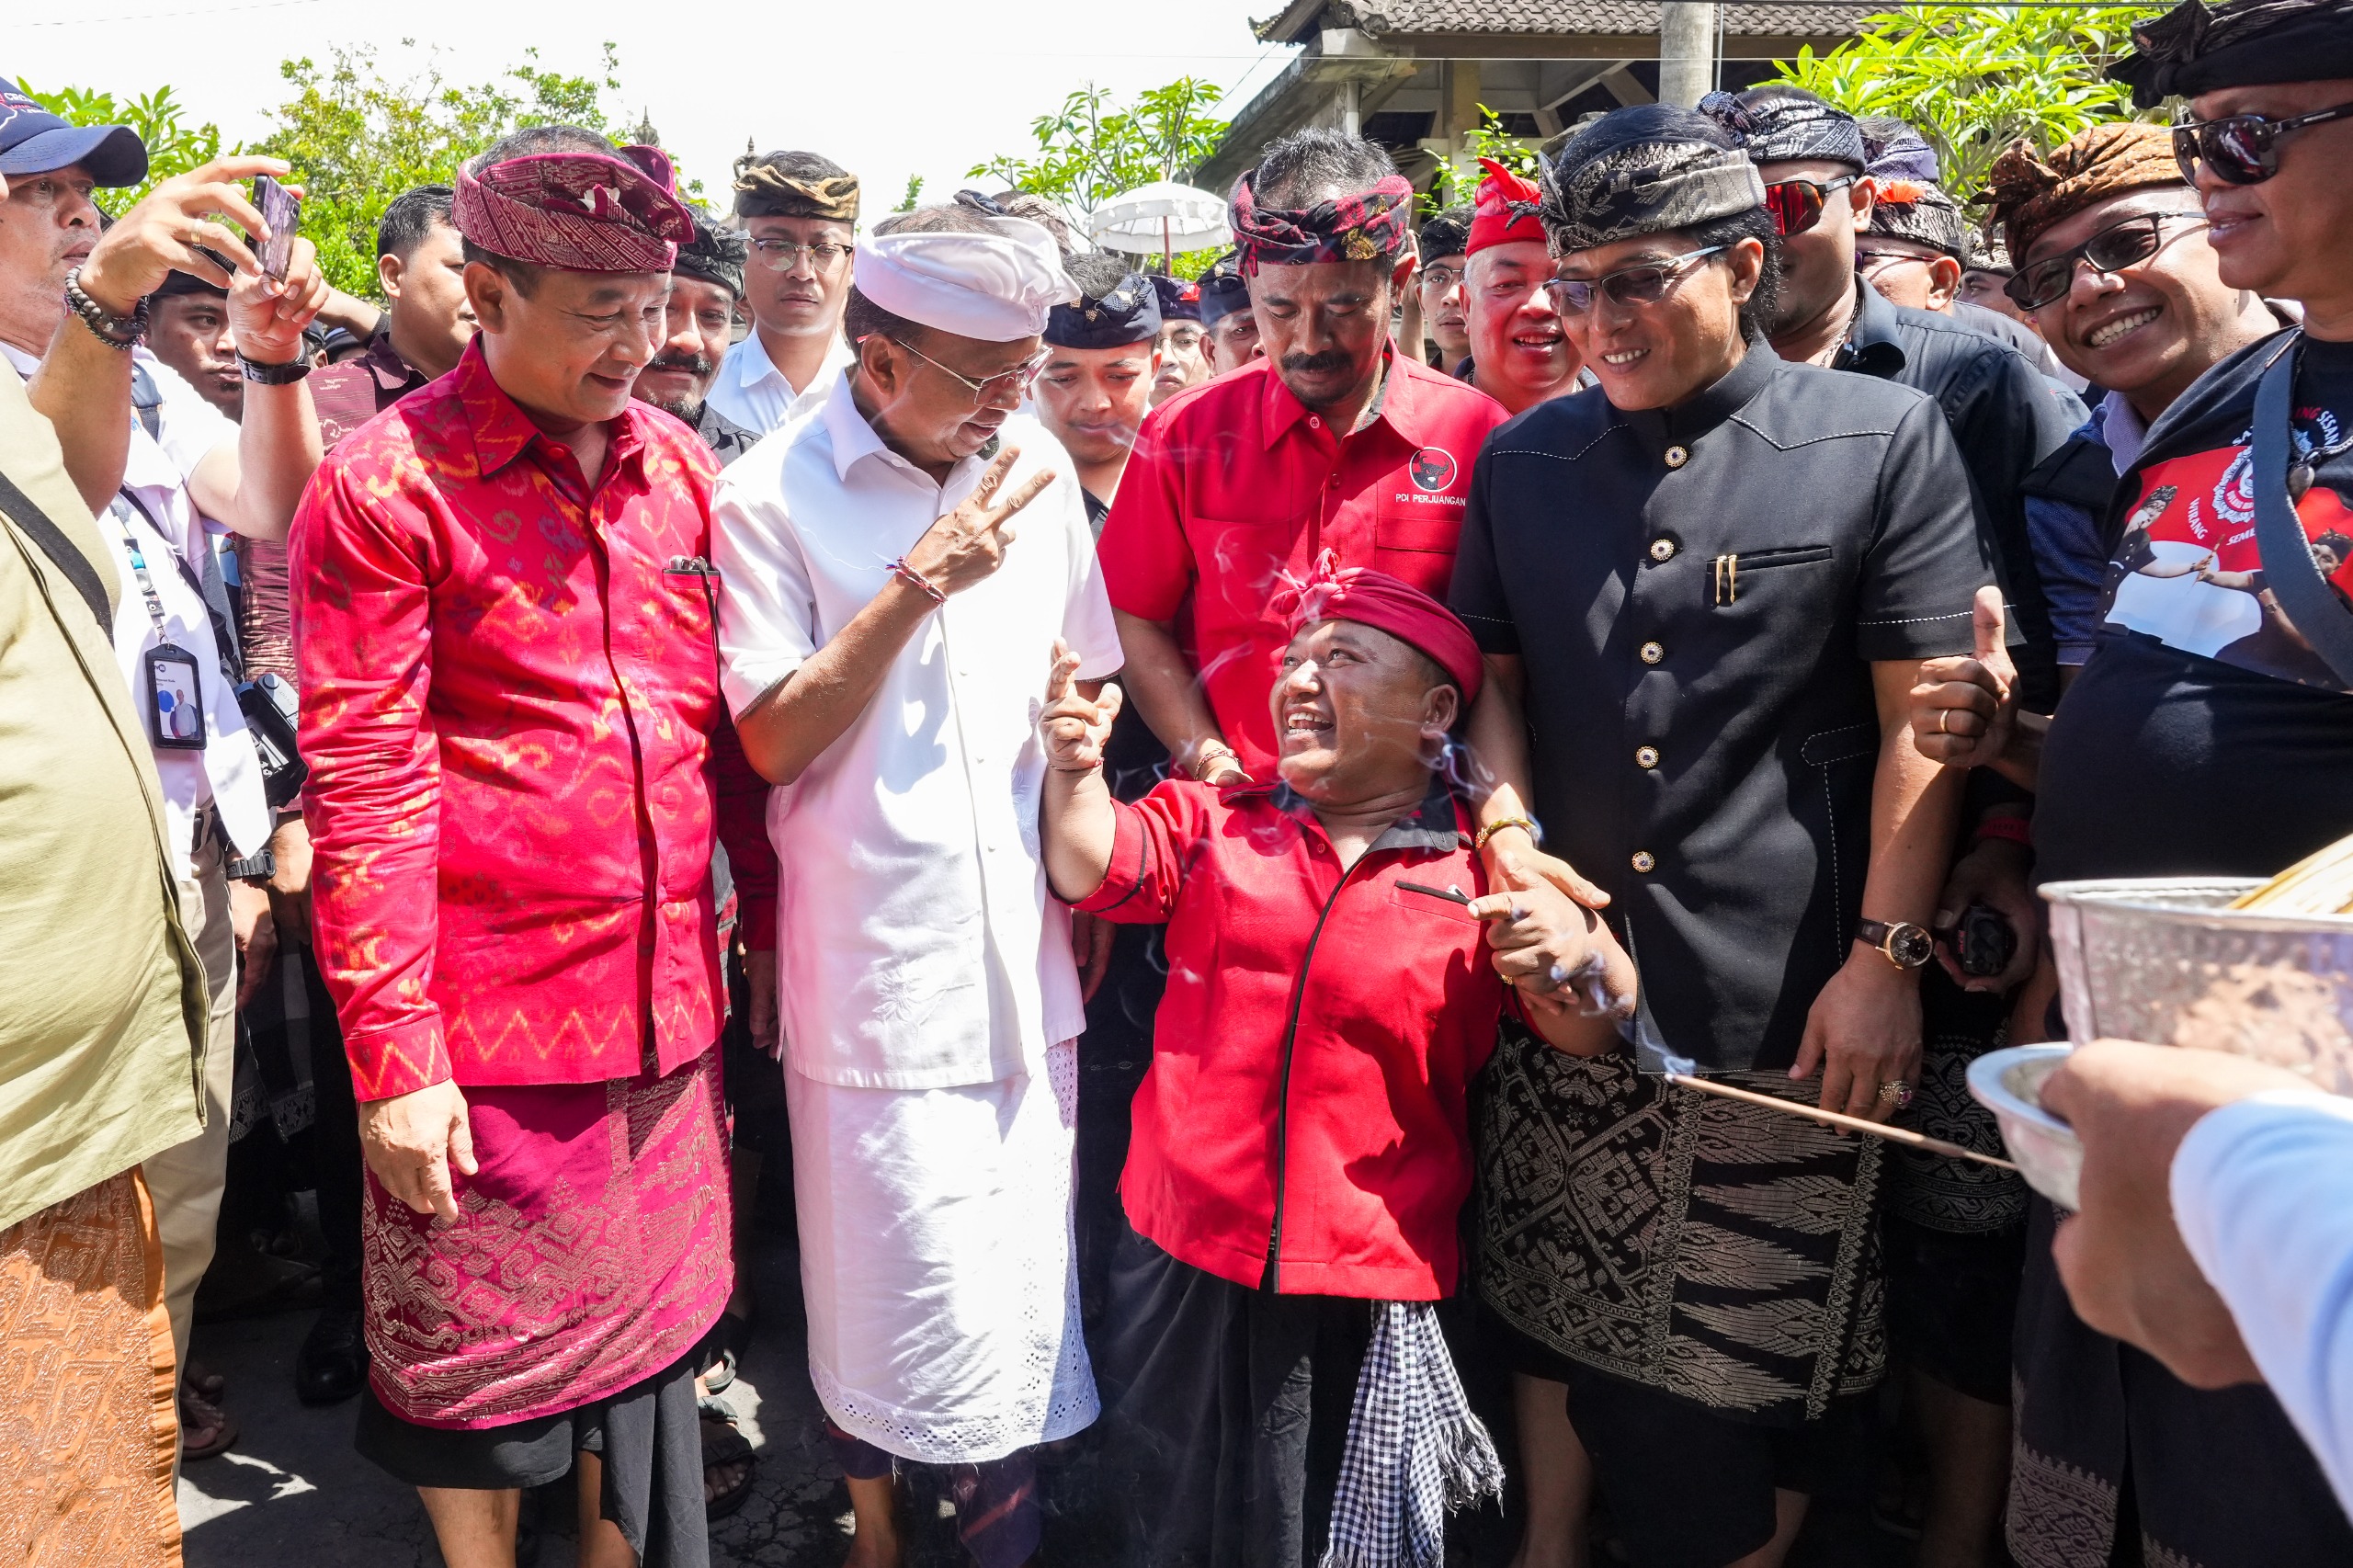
<point>2263,1193</point>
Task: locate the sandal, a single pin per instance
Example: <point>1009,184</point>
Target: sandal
<point>200,1415</point>
<point>724,1445</point>
<point>728,1339</point>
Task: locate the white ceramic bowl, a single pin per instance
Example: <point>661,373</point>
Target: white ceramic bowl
<point>2010,1084</point>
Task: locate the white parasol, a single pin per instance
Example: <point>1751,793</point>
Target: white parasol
<point>1162,216</point>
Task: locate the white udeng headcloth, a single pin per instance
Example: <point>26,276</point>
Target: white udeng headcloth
<point>996,287</point>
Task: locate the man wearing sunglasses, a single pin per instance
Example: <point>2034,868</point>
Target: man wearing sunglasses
<point>1703,596</point>
<point>2004,418</point>
<point>2202,734</point>
<point>800,213</point>
<point>900,569</point>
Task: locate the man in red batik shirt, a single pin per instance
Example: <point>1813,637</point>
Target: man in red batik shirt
<point>1333,441</point>
<point>509,679</point>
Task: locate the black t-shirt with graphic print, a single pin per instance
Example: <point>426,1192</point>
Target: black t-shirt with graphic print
<point>2204,736</point>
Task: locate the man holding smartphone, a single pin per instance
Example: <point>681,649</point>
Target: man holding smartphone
<point>164,473</point>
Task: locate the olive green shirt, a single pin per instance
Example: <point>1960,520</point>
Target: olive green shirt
<point>102,1000</point>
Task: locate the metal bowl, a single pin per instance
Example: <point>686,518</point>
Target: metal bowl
<point>2010,1084</point>
<point>2163,960</point>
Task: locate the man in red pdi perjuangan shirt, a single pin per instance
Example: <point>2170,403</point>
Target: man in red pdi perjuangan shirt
<point>510,681</point>
<point>1333,441</point>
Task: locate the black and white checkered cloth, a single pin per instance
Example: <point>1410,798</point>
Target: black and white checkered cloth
<point>1414,1450</point>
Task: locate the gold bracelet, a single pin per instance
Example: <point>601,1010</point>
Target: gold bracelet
<point>1500,823</point>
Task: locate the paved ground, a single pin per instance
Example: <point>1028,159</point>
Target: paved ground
<point>293,1493</point>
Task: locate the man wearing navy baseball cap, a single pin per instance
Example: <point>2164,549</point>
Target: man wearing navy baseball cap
<point>165,473</point>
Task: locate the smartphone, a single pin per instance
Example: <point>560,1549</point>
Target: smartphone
<point>284,215</point>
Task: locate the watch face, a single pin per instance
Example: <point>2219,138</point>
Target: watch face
<point>1911,946</point>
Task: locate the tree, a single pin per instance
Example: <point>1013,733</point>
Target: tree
<point>1091,150</point>
<point>357,138</point>
<point>1972,80</point>
<point>1459,180</point>
<point>174,146</point>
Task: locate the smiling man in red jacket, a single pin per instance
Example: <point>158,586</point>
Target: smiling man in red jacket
<point>1301,1145</point>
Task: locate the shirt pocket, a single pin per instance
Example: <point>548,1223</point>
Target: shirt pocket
<point>1240,564</point>
<point>1405,895</point>
<point>1736,575</point>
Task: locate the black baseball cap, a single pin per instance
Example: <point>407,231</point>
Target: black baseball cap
<point>34,142</point>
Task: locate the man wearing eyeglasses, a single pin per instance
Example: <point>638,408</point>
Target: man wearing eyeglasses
<point>2004,418</point>
<point>800,211</point>
<point>899,568</point>
<point>2204,734</point>
<point>1444,243</point>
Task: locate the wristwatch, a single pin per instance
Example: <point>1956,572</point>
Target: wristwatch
<point>1906,945</point>
<point>266,375</point>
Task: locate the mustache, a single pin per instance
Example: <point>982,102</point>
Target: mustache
<point>1316,364</point>
<point>685,364</point>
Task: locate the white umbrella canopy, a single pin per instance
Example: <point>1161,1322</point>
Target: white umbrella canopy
<point>1162,216</point>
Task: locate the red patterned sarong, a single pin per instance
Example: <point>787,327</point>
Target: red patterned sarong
<point>87,1422</point>
<point>591,1252</point>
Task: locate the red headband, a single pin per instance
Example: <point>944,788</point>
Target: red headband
<point>1505,209</point>
<point>1388,603</point>
<point>577,211</point>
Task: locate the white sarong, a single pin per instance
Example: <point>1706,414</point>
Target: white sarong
<point>937,1262</point>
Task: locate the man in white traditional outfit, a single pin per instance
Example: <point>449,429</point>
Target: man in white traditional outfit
<point>898,564</point>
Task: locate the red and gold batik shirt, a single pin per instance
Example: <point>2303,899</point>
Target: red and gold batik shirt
<point>509,679</point>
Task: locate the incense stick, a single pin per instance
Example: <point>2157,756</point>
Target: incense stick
<point>1836,1118</point>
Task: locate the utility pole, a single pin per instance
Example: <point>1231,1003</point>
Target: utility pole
<point>1687,51</point>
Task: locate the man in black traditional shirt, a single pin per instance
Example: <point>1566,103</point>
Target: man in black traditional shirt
<point>2005,416</point>
<point>1709,587</point>
<point>2203,737</point>
<point>705,286</point>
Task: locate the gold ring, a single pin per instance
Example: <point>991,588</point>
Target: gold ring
<point>1942,714</point>
<point>1896,1089</point>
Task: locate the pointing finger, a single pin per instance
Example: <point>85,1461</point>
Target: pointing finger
<point>1021,496</point>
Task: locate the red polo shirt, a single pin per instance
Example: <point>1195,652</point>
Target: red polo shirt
<point>1235,481</point>
<point>1312,1060</point>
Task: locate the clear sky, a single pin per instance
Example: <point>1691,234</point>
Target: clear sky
<point>886,87</point>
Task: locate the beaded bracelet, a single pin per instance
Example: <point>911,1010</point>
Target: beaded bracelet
<point>114,331</point>
<point>1500,823</point>
<point>912,578</point>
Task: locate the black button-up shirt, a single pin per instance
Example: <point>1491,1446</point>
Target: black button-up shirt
<point>1698,594</point>
<point>2007,418</point>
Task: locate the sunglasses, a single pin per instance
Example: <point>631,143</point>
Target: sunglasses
<point>2241,149</point>
<point>1643,285</point>
<point>2114,248</point>
<point>1796,204</point>
<point>991,389</point>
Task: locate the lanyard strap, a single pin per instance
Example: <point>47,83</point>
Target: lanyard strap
<point>139,563</point>
<point>2281,542</point>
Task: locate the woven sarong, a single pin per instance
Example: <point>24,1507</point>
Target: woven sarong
<point>88,1420</point>
<point>591,1252</point>
<point>1719,1250</point>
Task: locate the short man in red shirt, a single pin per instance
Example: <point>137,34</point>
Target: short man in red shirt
<point>1334,441</point>
<point>1301,1145</point>
<point>509,677</point>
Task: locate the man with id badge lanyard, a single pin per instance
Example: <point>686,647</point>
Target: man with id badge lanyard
<point>162,473</point>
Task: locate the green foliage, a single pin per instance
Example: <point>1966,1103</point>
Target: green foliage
<point>357,138</point>
<point>915,195</point>
<point>1091,149</point>
<point>174,146</point>
<point>1972,80</point>
<point>1456,181</point>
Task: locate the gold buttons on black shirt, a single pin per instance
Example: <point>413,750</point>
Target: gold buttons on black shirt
<point>1644,860</point>
<point>1662,549</point>
<point>1646,756</point>
<point>1651,652</point>
<point>1677,456</point>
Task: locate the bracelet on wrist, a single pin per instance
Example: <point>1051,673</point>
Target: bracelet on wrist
<point>110,327</point>
<point>914,579</point>
<point>1500,823</point>
<point>2017,830</point>
<point>264,374</point>
<point>1207,753</point>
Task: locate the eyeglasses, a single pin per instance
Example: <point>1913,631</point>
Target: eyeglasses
<point>783,256</point>
<point>1796,204</point>
<point>2241,149</point>
<point>990,389</point>
<point>2113,249</point>
<point>1437,276</point>
<point>1869,261</point>
<point>1643,285</point>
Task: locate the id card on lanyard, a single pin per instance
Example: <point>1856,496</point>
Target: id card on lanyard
<point>175,689</point>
